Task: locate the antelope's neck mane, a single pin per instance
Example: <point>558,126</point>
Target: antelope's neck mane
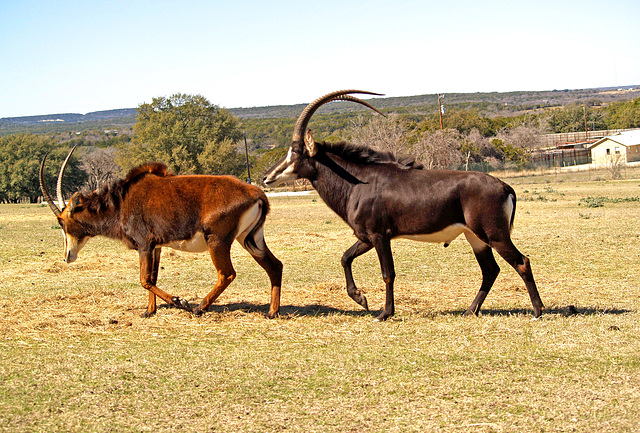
<point>363,155</point>
<point>109,197</point>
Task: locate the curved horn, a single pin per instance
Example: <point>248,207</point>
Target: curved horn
<point>43,188</point>
<point>340,95</point>
<point>60,175</point>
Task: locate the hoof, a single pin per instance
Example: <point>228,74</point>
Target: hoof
<point>197,311</point>
<point>360,299</point>
<point>147,314</point>
<point>382,317</point>
<point>273,315</point>
<point>537,312</point>
<point>469,313</point>
<point>364,303</point>
<point>180,303</point>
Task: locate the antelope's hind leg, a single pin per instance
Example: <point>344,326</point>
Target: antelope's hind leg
<point>521,264</point>
<point>257,247</point>
<point>220,251</point>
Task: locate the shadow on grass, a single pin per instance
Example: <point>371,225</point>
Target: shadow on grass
<point>569,310</point>
<point>316,310</point>
<point>313,310</point>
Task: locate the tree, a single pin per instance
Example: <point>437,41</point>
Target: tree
<point>438,149</point>
<point>615,163</point>
<point>221,157</point>
<point>100,167</point>
<point>387,134</point>
<point>571,118</point>
<point>20,158</point>
<point>624,115</point>
<point>464,121</point>
<point>472,146</point>
<point>521,136</point>
<point>433,149</point>
<point>509,153</point>
<point>186,132</point>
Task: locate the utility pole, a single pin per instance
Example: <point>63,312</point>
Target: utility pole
<point>441,111</point>
<point>586,129</point>
<point>246,152</point>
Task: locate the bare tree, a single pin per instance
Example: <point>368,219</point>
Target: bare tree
<point>438,149</point>
<point>433,149</point>
<point>472,146</point>
<point>388,134</point>
<point>615,163</point>
<point>527,135</point>
<point>100,167</point>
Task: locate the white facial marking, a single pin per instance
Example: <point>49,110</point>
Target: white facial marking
<point>72,247</point>
<point>283,172</point>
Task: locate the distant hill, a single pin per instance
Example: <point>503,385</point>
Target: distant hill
<point>488,104</point>
<point>491,103</point>
<point>55,123</point>
<point>70,117</point>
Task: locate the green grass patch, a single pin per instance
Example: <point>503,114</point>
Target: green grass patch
<point>599,201</point>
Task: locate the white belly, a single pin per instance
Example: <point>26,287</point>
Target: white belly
<point>194,245</point>
<point>443,236</point>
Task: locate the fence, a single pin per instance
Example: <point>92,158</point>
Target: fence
<point>561,157</point>
<point>556,140</point>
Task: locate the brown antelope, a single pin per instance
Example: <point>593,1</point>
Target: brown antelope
<point>382,197</point>
<point>151,208</point>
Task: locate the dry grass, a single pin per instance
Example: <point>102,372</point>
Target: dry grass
<point>76,356</point>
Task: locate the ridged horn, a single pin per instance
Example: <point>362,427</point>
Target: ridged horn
<point>43,188</point>
<point>60,175</point>
<point>340,95</point>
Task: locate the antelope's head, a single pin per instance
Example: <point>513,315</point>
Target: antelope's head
<point>299,161</point>
<point>70,217</point>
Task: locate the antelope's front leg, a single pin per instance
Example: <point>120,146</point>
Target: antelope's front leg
<point>149,260</point>
<point>356,250</point>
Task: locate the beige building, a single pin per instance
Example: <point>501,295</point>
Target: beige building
<point>623,146</point>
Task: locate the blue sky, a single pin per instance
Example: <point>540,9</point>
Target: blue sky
<point>81,56</point>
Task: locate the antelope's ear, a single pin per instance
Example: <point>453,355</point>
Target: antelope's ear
<point>75,203</point>
<point>310,143</point>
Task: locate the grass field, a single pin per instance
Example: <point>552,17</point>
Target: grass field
<point>75,355</point>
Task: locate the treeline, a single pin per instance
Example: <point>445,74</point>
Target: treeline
<point>20,157</point>
<point>192,135</point>
<point>186,132</point>
<point>267,133</point>
<point>470,140</point>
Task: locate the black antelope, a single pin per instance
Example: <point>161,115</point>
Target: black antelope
<point>382,197</point>
<point>152,208</point>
